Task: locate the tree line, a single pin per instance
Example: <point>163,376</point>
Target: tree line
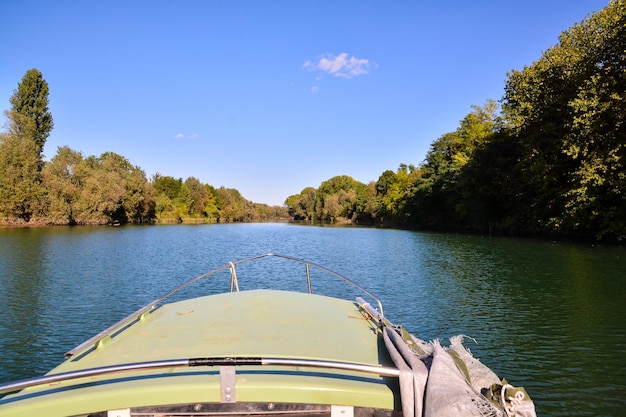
<point>73,189</point>
<point>547,159</point>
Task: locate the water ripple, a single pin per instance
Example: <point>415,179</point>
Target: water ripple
<point>546,316</point>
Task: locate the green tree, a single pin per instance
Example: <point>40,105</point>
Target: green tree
<point>337,197</point>
<point>438,196</point>
<point>29,106</point>
<point>138,203</point>
<point>63,177</point>
<point>21,189</point>
<point>538,116</point>
<point>102,191</point>
<point>167,185</point>
<point>308,196</point>
<point>490,184</point>
<point>198,195</point>
<point>567,112</point>
<point>29,125</point>
<point>167,196</point>
<point>232,207</point>
<point>210,207</point>
<point>97,190</point>
<point>302,206</point>
<point>597,138</point>
<point>392,191</point>
<point>385,181</point>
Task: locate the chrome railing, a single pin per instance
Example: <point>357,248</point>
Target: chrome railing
<point>194,362</point>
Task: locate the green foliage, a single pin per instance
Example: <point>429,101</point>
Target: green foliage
<point>392,192</point>
<point>337,198</point>
<point>138,204</point>
<point>232,207</point>
<point>340,198</point>
<point>191,200</point>
<point>169,186</point>
<point>198,196</point>
<point>596,140</point>
<point>96,190</point>
<point>29,103</point>
<point>437,198</point>
<point>302,206</point>
<point>64,176</point>
<point>72,189</point>
<point>210,207</point>
<point>21,189</point>
<point>553,162</point>
<point>29,123</point>
<point>567,112</point>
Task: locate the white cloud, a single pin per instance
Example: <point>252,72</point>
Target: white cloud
<point>341,65</point>
<point>315,89</point>
<point>183,136</point>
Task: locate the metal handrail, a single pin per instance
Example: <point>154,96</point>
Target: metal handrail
<point>137,315</point>
<point>194,362</point>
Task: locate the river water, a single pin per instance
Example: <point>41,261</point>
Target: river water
<point>548,316</point>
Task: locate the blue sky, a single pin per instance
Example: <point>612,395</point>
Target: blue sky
<point>270,97</point>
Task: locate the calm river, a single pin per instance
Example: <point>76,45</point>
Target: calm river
<point>548,316</point>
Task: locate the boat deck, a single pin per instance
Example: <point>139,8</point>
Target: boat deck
<point>257,323</point>
<point>247,323</point>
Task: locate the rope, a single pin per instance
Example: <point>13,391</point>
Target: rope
<point>514,400</point>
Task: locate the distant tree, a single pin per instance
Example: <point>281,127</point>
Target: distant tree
<point>102,192</point>
<point>210,207</point>
<point>337,197</point>
<point>385,180</point>
<point>302,206</point>
<point>489,186</point>
<point>96,190</point>
<point>167,185</point>
<point>64,176</point>
<point>232,207</point>
<point>392,191</point>
<point>198,196</point>
<point>368,203</point>
<point>138,203</point>
<point>29,106</point>
<point>331,207</point>
<point>438,196</point>
<point>163,205</point>
<point>21,188</point>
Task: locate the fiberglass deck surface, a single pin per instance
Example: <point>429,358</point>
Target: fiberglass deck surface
<point>260,323</point>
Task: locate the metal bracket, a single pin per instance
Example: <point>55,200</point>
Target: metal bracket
<point>341,411</point>
<point>227,384</point>
<point>125,412</point>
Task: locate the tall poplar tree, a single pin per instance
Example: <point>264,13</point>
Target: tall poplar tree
<point>29,125</point>
<point>29,108</point>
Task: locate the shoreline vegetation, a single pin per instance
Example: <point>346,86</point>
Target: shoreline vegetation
<point>546,160</point>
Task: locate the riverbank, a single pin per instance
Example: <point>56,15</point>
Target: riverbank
<point>340,221</point>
